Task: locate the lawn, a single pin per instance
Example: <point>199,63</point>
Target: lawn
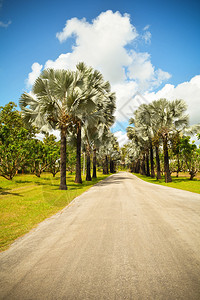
<point>182,182</point>
<point>27,200</point>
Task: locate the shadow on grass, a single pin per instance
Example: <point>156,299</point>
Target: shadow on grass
<point>55,181</point>
<point>23,181</point>
<point>4,192</point>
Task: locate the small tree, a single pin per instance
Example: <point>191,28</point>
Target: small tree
<point>53,153</point>
<point>191,156</point>
<point>15,141</point>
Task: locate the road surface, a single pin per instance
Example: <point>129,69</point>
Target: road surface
<point>122,239</point>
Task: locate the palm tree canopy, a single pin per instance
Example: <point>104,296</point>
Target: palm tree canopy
<point>61,98</point>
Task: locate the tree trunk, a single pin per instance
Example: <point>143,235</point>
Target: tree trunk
<point>137,167</point>
<point>88,174</point>
<point>166,160</point>
<point>178,165</point>
<point>147,164</point>
<point>158,176</point>
<point>63,185</point>
<point>142,166</point>
<point>84,164</point>
<point>107,172</point>
<point>105,165</point>
<point>78,178</point>
<point>94,175</point>
<point>152,162</point>
<point>192,174</point>
<point>112,166</point>
<point>132,167</point>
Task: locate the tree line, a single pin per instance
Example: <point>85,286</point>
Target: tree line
<point>80,105</point>
<point>159,140</point>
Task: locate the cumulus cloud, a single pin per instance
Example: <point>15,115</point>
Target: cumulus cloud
<point>36,69</point>
<point>107,44</point>
<point>143,72</point>
<point>100,44</point>
<point>188,91</point>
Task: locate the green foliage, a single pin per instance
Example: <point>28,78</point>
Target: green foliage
<point>14,141</point>
<point>52,148</point>
<point>38,153</point>
<point>181,182</point>
<point>71,158</point>
<point>191,156</point>
<point>27,200</point>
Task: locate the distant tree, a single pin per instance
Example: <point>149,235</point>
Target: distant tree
<point>53,153</point>
<point>38,157</point>
<point>15,141</point>
<point>191,156</point>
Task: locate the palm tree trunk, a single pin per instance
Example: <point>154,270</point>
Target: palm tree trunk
<point>158,176</point>
<point>152,161</point>
<point>83,163</point>
<point>78,178</point>
<point>88,174</point>
<point>178,165</point>
<point>112,166</point>
<point>105,165</point>
<point>147,164</point>
<point>142,166</point>
<point>63,185</point>
<point>166,160</point>
<point>94,175</point>
<point>137,168</point>
<point>107,172</point>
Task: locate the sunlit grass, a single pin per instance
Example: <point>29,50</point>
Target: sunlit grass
<point>182,182</point>
<point>27,200</point>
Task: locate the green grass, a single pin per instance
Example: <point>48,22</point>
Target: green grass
<point>27,200</point>
<point>182,182</point>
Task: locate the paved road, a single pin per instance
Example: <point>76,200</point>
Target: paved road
<point>122,239</point>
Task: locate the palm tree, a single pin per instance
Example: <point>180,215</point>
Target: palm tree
<point>97,103</point>
<point>62,100</point>
<point>52,106</point>
<point>143,122</point>
<point>169,117</point>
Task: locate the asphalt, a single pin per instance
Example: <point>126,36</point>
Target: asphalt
<point>122,239</point>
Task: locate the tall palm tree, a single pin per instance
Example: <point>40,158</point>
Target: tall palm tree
<point>97,102</point>
<point>169,117</point>
<point>52,106</point>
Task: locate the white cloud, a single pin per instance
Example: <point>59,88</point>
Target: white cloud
<point>102,44</point>
<point>188,91</point>
<point>121,138</point>
<point>147,37</point>
<point>36,69</point>
<point>146,27</point>
<point>125,93</point>
<point>5,25</point>
<point>142,71</point>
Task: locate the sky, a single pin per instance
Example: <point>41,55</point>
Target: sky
<point>146,49</point>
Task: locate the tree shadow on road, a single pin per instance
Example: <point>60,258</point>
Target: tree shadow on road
<point>112,180</point>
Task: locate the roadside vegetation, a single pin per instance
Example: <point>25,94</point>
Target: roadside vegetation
<point>160,141</point>
<point>27,200</point>
<point>182,182</point>
<point>80,106</point>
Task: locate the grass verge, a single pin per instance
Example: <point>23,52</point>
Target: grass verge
<point>27,200</point>
<point>182,182</point>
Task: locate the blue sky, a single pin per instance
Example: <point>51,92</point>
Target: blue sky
<point>28,35</point>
